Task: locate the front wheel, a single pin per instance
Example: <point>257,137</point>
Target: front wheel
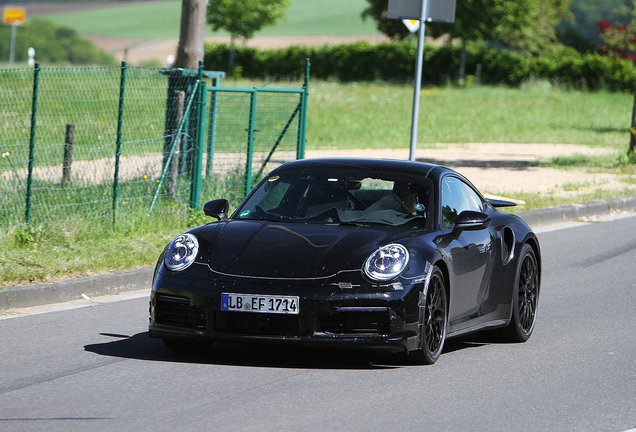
<point>433,321</point>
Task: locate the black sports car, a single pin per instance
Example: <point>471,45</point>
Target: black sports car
<point>386,254</point>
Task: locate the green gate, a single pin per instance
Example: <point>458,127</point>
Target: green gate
<point>225,139</point>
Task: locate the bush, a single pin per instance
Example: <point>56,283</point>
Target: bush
<point>53,45</point>
<point>395,61</point>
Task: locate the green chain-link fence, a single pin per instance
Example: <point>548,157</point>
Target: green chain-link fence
<point>109,142</point>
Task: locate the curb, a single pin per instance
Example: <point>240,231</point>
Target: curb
<point>39,295</point>
<point>572,211</point>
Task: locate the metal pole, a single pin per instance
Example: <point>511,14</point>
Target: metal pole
<point>34,109</point>
<point>250,143</point>
<point>120,115</point>
<point>171,152</point>
<point>302,135</point>
<point>209,163</point>
<point>12,48</point>
<point>418,81</point>
<point>195,189</point>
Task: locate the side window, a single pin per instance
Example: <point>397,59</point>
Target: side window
<point>474,201</point>
<point>457,197</point>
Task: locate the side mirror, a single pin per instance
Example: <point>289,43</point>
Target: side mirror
<point>469,220</point>
<point>217,209</point>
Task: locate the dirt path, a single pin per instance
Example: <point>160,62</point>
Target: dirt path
<point>493,168</point>
<point>504,168</point>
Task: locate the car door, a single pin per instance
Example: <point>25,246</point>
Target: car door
<point>470,254</point>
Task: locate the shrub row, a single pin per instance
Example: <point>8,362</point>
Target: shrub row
<point>395,61</point>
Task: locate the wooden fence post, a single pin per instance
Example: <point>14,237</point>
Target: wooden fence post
<point>69,143</point>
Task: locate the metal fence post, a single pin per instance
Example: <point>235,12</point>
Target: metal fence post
<point>209,163</point>
<point>195,191</point>
<point>34,109</point>
<point>302,129</point>
<point>122,86</point>
<point>250,143</point>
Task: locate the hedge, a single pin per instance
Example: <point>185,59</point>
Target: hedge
<point>395,61</point>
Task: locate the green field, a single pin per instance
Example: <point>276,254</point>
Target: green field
<point>161,20</point>
<point>377,115</point>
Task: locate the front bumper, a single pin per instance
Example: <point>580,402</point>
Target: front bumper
<point>381,317</point>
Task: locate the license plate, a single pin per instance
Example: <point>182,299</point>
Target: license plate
<point>259,303</point>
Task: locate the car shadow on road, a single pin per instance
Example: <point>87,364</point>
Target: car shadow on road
<point>142,347</point>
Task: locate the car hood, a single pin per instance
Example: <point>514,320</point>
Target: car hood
<point>300,251</point>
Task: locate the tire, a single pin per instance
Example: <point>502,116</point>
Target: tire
<point>187,345</point>
<point>433,322</point>
<point>525,299</point>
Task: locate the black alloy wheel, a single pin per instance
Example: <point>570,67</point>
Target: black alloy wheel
<point>433,322</point>
<point>527,298</point>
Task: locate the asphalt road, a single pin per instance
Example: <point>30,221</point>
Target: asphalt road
<point>96,369</point>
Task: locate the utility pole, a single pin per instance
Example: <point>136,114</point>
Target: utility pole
<point>190,50</point>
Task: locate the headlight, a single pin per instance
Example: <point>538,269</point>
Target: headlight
<point>387,263</point>
<point>181,252</point>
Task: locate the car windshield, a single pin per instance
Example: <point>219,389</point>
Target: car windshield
<point>332,196</point>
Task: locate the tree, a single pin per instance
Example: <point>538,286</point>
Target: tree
<point>377,10</point>
<point>523,24</point>
<point>619,38</point>
<point>190,49</point>
<point>537,33</point>
<point>243,18</point>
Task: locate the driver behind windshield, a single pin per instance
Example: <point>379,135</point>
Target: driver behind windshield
<point>409,194</point>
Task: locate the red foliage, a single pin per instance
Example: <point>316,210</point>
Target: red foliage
<point>604,49</point>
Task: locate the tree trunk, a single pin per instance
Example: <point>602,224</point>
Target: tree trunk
<point>632,135</point>
<point>230,68</point>
<point>462,63</point>
<point>190,50</point>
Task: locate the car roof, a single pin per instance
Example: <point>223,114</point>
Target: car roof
<point>405,167</point>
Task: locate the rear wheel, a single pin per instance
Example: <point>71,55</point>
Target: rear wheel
<point>432,321</point>
<point>187,344</point>
<point>525,300</point>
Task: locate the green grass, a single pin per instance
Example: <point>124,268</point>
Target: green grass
<point>161,20</point>
<point>352,116</point>
<point>378,115</point>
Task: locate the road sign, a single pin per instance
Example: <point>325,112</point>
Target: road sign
<point>434,10</point>
<point>412,25</point>
<point>13,15</point>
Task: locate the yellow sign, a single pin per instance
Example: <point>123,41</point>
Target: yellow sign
<point>13,16</point>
